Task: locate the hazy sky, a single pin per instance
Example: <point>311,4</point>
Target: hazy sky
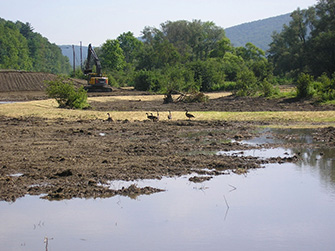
<point>72,21</point>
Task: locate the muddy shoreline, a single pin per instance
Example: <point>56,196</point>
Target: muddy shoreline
<point>60,159</point>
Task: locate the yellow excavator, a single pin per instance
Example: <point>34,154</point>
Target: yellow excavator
<point>96,82</point>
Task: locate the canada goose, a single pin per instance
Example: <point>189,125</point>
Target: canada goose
<point>189,115</point>
<point>170,115</point>
<point>152,117</point>
<point>109,117</point>
<point>157,117</point>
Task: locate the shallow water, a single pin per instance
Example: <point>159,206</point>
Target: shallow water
<point>7,102</point>
<point>281,207</point>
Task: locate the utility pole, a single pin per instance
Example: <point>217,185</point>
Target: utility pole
<point>74,61</point>
<point>81,55</point>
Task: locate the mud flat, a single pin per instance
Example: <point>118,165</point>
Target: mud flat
<point>78,158</point>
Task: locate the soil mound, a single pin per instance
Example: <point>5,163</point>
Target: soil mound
<point>21,81</point>
<point>11,81</point>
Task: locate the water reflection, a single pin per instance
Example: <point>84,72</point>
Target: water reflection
<point>281,207</point>
<point>319,161</point>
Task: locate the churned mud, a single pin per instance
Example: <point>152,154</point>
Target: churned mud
<point>60,159</point>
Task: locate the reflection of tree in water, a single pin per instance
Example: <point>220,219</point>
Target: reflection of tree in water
<point>321,160</point>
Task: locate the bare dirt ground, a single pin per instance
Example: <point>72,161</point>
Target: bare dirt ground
<point>60,159</point>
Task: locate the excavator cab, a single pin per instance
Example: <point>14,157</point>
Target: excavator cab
<point>95,80</point>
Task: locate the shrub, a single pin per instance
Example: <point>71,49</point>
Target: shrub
<point>246,84</point>
<point>207,73</point>
<point>66,95</point>
<point>305,86</point>
<point>147,81</point>
<point>325,87</point>
<point>225,86</point>
<point>195,97</point>
<point>267,89</point>
<point>178,78</point>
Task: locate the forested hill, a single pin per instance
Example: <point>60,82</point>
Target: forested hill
<point>23,49</point>
<point>257,32</point>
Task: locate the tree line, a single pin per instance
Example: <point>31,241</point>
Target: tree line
<point>307,44</point>
<point>184,56</point>
<point>196,56</point>
<point>305,50</point>
<point>23,49</point>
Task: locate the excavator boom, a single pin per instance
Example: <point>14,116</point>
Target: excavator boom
<point>96,82</point>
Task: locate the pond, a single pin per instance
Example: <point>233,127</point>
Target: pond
<point>286,206</point>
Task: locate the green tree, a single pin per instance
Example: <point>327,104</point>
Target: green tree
<point>46,57</point>
<point>326,90</point>
<point>305,86</point>
<point>112,57</point>
<point>221,48</point>
<point>307,44</point>
<point>322,49</point>
<point>246,84</point>
<point>157,55</point>
<point>194,40</point>
<point>147,80</point>
<point>288,50</point>
<point>130,46</point>
<point>232,65</point>
<point>179,78</point>
<point>207,73</point>
<point>250,52</point>
<point>14,51</point>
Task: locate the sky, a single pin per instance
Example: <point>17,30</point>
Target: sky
<point>68,22</point>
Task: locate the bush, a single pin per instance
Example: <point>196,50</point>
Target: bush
<point>77,74</point>
<point>305,86</point>
<point>207,73</point>
<point>225,86</point>
<point>195,97</point>
<point>246,84</point>
<point>66,95</point>
<point>178,78</point>
<point>267,89</point>
<point>147,81</point>
<point>325,87</point>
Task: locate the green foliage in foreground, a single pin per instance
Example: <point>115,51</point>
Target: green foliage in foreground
<point>66,95</point>
<point>322,89</point>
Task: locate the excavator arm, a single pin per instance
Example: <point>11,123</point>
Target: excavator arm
<point>96,82</point>
<point>92,56</point>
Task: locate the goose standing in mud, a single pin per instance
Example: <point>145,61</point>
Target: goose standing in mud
<point>109,119</point>
<point>170,115</point>
<point>157,117</point>
<point>189,115</point>
<point>152,117</point>
<point>149,116</point>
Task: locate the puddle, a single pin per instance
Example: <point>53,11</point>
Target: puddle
<point>8,102</point>
<point>16,175</point>
<point>287,206</point>
<point>260,153</point>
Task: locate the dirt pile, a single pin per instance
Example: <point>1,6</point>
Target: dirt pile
<point>12,81</point>
<point>22,85</point>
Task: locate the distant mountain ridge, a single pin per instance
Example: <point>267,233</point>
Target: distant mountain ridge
<point>257,32</point>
